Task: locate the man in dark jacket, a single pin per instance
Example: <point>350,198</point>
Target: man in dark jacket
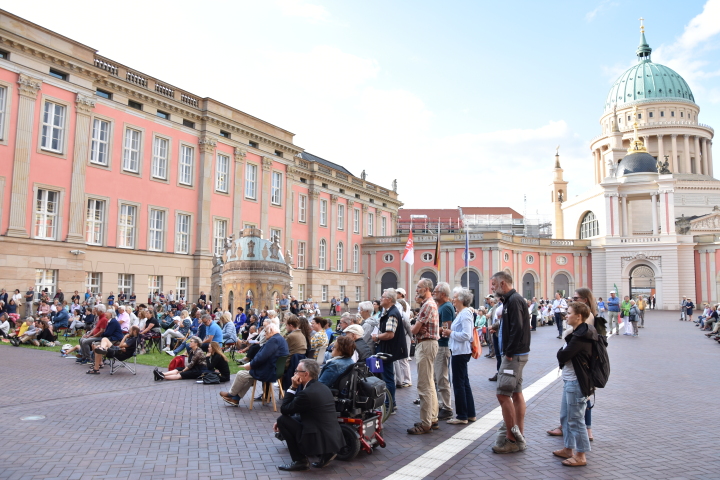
<point>262,367</point>
<point>514,343</point>
<point>309,422</point>
<point>390,337</point>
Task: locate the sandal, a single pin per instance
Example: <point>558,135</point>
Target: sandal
<point>561,454</point>
<point>92,371</point>
<point>418,430</point>
<point>556,432</point>
<point>572,462</point>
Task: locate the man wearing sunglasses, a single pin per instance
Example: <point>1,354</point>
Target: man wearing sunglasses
<point>309,422</point>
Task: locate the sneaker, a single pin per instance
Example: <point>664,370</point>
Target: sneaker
<point>493,378</point>
<point>394,410</point>
<point>506,447</point>
<point>457,421</point>
<point>80,360</point>
<point>169,352</point>
<point>445,414</point>
<point>519,438</point>
<point>434,426</point>
<point>416,401</point>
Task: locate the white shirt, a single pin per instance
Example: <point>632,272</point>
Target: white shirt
<point>559,306</point>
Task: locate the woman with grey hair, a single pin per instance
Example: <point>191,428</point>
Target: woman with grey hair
<point>193,368</point>
<point>460,335</point>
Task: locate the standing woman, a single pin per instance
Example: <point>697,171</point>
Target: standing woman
<point>460,335</point>
<point>194,367</point>
<point>574,359</point>
<point>634,317</point>
<point>689,310</point>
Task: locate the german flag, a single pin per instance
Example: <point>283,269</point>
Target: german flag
<point>436,261</point>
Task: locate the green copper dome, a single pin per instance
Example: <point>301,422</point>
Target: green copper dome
<point>647,81</point>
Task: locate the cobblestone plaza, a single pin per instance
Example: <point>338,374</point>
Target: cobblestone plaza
<point>652,421</point>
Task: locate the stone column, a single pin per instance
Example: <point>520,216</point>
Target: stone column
<point>706,164</point>
<point>699,160</point>
<point>625,232</point>
<point>541,280</point>
<point>703,276</point>
<point>364,220</point>
<point>450,270</point>
<point>661,148</point>
<point>333,228</point>
<point>584,266</point>
<point>290,175</point>
<point>667,210</point>
<point>497,266</point>
<point>205,189</point>
<point>267,164</point>
<point>653,211</point>
<point>373,274</point>
<point>712,287</point>
<point>238,193</point>
<point>710,156</point>
<point>313,219</point>
<point>576,270</point>
<point>83,108</point>
<point>598,170</point>
<point>615,199</point>
<point>646,141</point>
<point>686,151</point>
<point>674,163</point>
<point>348,232</point>
<point>486,270</point>
<point>548,276</point>
<point>664,229</point>
<point>28,89</point>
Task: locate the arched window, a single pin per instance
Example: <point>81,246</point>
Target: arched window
<point>340,251</point>
<point>323,256</point>
<point>589,226</point>
<point>356,258</point>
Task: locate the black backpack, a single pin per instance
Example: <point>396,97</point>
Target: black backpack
<point>600,363</point>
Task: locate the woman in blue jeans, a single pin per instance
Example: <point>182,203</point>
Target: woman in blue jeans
<point>574,359</point>
<point>460,335</point>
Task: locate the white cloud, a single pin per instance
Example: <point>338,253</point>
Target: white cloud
<point>605,4</point>
<point>703,27</point>
<point>298,8</point>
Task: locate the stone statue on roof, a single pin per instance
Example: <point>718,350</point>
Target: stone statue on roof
<point>663,168</point>
<point>363,175</point>
<point>612,167</point>
<point>394,185</point>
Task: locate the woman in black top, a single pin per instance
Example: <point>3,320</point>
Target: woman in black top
<point>217,363</point>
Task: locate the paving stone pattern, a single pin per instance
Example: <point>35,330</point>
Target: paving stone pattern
<point>655,420</point>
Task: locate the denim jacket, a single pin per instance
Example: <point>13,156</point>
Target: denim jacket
<point>333,369</point>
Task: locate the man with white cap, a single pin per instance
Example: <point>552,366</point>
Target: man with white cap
<point>402,367</point>
<point>613,304</point>
<point>172,332</point>
<point>362,349</point>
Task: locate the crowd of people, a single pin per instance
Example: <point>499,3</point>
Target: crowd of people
<point>438,331</point>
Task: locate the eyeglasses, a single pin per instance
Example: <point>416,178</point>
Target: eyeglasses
<point>300,371</point>
<point>576,298</point>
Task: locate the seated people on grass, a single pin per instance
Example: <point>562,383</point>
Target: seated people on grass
<point>261,368</point>
<point>29,333</point>
<point>45,336</point>
<point>213,332</point>
<point>173,331</point>
<point>339,362</point>
<point>123,351</point>
<point>186,331</point>
<point>93,336</point>
<point>61,319</point>
<point>193,367</point>
<point>217,362</point>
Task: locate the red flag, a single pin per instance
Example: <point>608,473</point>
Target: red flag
<point>409,253</point>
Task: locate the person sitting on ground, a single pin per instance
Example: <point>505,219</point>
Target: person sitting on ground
<point>309,422</point>
<point>29,333</point>
<point>228,329</point>
<point>320,339</point>
<point>217,363</point>
<point>123,351</point>
<point>362,349</point>
<point>261,368</point>
<point>45,336</point>
<point>341,359</point>
<point>193,367</point>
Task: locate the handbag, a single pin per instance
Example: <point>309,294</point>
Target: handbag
<point>476,346</point>
<point>210,378</point>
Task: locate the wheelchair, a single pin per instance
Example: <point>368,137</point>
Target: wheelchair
<point>359,400</point>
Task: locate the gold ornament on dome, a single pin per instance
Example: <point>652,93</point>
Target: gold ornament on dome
<point>636,145</point>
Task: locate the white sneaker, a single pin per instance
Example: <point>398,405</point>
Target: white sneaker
<point>519,438</point>
<point>169,352</point>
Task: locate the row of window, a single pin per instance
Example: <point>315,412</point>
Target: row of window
<point>47,279</point>
<point>325,290</point>
<point>302,217</point>
<point>322,256</point>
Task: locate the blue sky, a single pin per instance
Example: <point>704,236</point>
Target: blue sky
<point>462,102</point>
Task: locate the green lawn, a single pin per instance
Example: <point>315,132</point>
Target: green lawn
<point>161,360</point>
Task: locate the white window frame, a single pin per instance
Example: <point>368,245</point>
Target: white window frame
<point>182,232</point>
<point>93,281</point>
<point>275,232</point>
<point>4,101</point>
<point>157,222</point>
<point>222,173</point>
<point>276,189</point>
<point>356,220</point>
<point>356,258</point>
<point>125,283</point>
<point>128,230</point>
<point>132,151</point>
<point>300,255</point>
<point>219,235</point>
<point>324,293</point>
<point>340,256</point>
<point>301,292</point>
<point>50,130</point>
<point>100,142</point>
<point>95,221</point>
<point>44,217</point>
<point>358,293</point>
<point>323,212</point>
<point>342,293</point>
<point>181,287</point>
<point>340,216</point>
<point>161,158</point>
<point>302,208</point>
<point>322,255</point>
<point>383,226</point>
<point>251,170</point>
<point>45,278</point>
<point>186,165</point>
<point>370,225</point>
<point>154,285</point>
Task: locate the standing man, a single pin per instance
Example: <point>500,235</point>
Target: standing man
<point>284,304</point>
<point>390,338</point>
<point>59,296</point>
<point>558,307</point>
<point>683,309</point>
<point>642,305</point>
<point>346,302</point>
<point>533,314</point>
<point>294,306</point>
<point>427,334</point>
<point>613,306</point>
<point>333,306</point>
<point>514,343</point>
<point>111,299</point>
<point>29,297</point>
<point>403,376</point>
<point>446,315</point>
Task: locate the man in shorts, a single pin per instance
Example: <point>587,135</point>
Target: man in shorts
<point>514,347</point>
